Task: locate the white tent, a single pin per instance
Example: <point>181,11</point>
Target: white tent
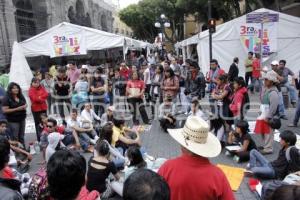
<point>227,43</point>
<point>62,40</point>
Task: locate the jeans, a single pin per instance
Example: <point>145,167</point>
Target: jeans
<point>260,166</point>
<point>118,161</point>
<point>297,114</point>
<point>64,100</point>
<point>18,130</point>
<point>256,84</point>
<point>292,92</point>
<point>68,140</point>
<point>137,104</point>
<point>37,121</point>
<point>281,105</point>
<point>248,76</point>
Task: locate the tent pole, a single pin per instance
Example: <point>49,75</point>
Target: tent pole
<point>210,33</point>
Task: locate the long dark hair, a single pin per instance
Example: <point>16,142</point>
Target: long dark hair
<point>216,124</point>
<point>9,91</point>
<point>107,132</point>
<point>136,158</point>
<point>172,74</point>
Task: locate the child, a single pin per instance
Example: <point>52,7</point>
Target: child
<point>279,168</point>
<point>241,137</point>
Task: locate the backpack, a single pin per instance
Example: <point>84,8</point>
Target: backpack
<point>38,188</point>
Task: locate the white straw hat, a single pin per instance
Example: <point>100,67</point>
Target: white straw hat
<point>195,137</point>
<point>271,76</point>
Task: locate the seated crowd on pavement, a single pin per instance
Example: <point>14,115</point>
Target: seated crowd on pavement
<point>82,111</point>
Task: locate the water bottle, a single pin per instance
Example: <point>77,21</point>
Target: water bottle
<point>37,147</point>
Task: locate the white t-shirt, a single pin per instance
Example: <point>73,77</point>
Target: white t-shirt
<point>147,78</point>
<point>90,116</point>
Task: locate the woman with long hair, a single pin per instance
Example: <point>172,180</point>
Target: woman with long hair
<point>135,93</point>
<point>38,96</point>
<point>14,107</point>
<point>170,84</point>
<point>155,90</point>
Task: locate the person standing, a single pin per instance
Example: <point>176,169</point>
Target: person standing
<point>249,69</point>
<point>97,91</point>
<point>170,84</point>
<point>155,91</point>
<point>297,113</point>
<point>48,84</point>
<point>38,96</point>
<point>62,88</point>
<point>196,83</point>
<point>73,72</point>
<point>147,81</point>
<point>233,70</point>
<point>197,146</point>
<point>135,92</point>
<point>14,107</point>
<point>269,110</point>
<point>256,74</point>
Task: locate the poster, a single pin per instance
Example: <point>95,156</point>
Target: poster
<point>250,34</point>
<point>67,44</point>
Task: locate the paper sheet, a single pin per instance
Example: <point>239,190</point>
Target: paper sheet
<point>234,175</point>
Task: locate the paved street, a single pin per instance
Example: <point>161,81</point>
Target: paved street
<point>160,144</point>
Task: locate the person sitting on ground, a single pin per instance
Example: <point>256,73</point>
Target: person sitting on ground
<point>82,138</point>
<point>145,184</point>
<point>108,116</point>
<point>99,168</point>
<point>196,109</point>
<point>261,167</point>
<point>167,111</point>
<point>89,114</point>
<point>116,156</point>
<point>242,138</point>
<point>197,145</point>
<point>136,162</point>
<point>123,137</point>
<point>54,145</point>
<point>68,168</point>
<point>290,192</point>
<point>217,127</point>
<point>16,146</point>
<point>9,188</point>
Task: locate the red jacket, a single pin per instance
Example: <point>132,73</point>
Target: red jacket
<point>238,98</point>
<point>38,97</point>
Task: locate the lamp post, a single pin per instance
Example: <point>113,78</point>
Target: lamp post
<point>210,32</point>
<point>162,23</point>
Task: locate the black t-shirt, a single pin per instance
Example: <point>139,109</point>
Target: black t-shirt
<point>16,116</point>
<point>280,165</point>
<point>96,177</point>
<point>62,90</point>
<point>251,145</point>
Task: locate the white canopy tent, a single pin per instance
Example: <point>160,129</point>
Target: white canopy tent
<point>83,38</point>
<point>227,43</point>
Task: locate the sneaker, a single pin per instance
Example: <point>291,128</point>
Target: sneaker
<point>248,173</point>
<point>236,159</point>
<point>227,153</point>
<point>292,125</point>
<point>93,141</point>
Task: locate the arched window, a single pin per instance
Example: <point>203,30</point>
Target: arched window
<point>104,23</point>
<point>25,22</point>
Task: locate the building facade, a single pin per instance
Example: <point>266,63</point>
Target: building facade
<point>22,19</point>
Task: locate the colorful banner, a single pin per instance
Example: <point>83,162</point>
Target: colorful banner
<point>66,45</point>
<point>250,35</point>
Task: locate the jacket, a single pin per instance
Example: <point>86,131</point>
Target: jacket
<point>233,72</point>
<point>10,189</point>
<point>38,97</point>
<point>237,101</point>
<point>197,87</point>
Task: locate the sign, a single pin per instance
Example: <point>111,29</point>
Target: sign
<point>66,45</point>
<point>264,17</point>
<point>251,35</point>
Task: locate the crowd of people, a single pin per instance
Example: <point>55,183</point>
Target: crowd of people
<point>97,106</point>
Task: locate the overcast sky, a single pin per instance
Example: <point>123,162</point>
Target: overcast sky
<point>125,3</point>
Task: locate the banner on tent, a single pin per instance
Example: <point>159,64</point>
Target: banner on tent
<point>66,45</point>
<point>250,35</point>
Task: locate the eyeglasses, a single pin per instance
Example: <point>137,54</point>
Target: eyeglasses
<point>49,126</point>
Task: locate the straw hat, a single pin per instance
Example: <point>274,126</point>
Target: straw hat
<point>195,137</point>
<point>271,76</point>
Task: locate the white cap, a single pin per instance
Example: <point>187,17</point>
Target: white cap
<point>84,67</point>
<point>275,62</point>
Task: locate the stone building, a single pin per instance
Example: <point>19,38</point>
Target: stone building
<point>22,19</point>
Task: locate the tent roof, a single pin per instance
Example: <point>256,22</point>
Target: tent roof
<point>224,31</point>
<point>94,39</point>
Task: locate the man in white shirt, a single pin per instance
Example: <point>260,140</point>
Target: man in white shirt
<point>89,114</point>
<point>74,124</point>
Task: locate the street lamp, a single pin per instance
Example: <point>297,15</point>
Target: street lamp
<point>162,23</point>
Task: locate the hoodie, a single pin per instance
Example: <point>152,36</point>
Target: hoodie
<point>237,101</point>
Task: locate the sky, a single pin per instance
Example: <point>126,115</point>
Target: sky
<point>125,3</point>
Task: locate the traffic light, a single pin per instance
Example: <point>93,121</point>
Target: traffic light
<point>212,25</point>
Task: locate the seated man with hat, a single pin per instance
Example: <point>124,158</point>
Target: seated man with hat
<point>191,176</point>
